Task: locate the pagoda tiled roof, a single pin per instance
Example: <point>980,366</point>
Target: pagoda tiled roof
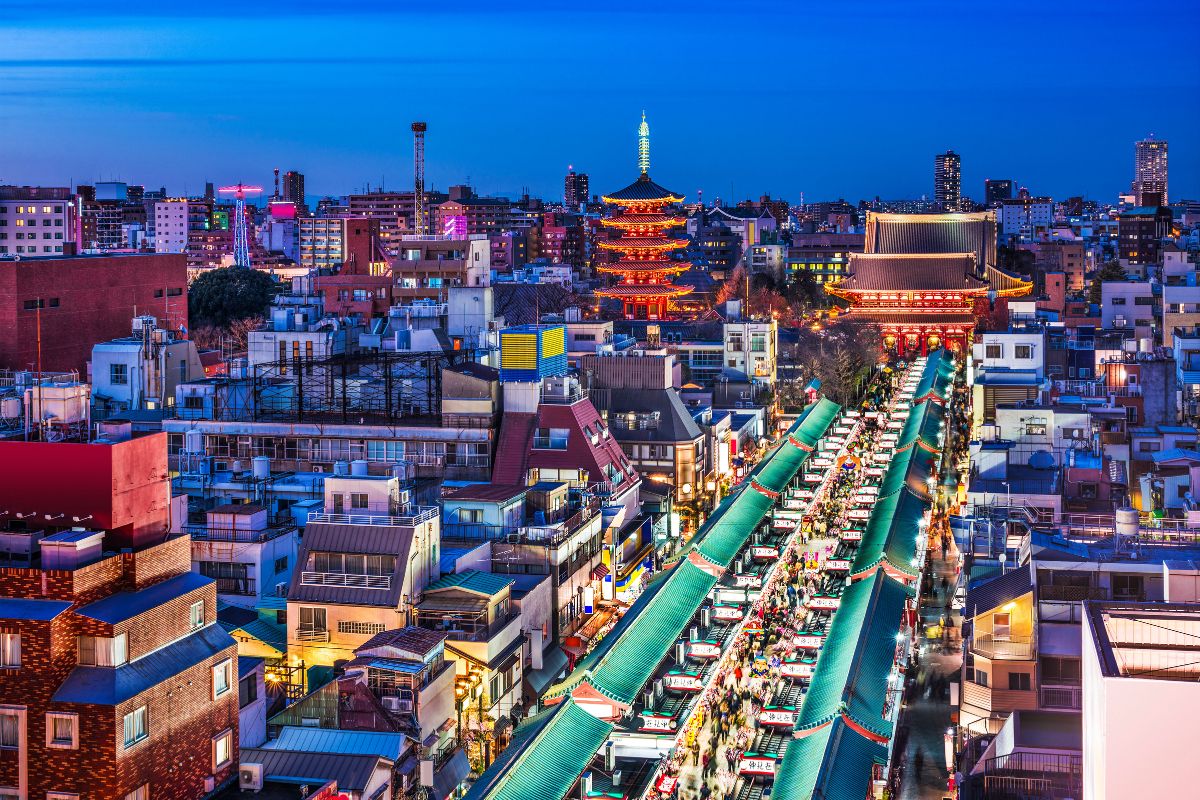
<point>643,189</point>
<point>642,243</point>
<point>643,290</point>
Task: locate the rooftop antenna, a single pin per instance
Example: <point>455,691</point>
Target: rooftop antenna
<point>418,129</point>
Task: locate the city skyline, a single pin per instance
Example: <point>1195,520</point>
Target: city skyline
<point>177,100</point>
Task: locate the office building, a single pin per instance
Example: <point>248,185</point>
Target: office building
<point>996,191</point>
<point>37,221</point>
<point>1026,217</point>
<point>947,180</point>
<point>1150,172</point>
<point>293,190</point>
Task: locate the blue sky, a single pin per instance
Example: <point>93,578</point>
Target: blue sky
<point>743,96</point>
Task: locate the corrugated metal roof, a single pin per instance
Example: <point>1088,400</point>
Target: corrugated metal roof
<point>328,740</point>
<point>123,606</point>
<point>912,272</point>
<point>36,610</point>
<point>419,641</point>
<point>329,537</point>
<point>247,664</point>
<point>109,686</point>
<point>352,772</point>
<point>998,591</point>
<point>472,580</point>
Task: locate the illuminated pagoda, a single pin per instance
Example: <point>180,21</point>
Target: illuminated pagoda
<point>926,280</point>
<point>645,267</point>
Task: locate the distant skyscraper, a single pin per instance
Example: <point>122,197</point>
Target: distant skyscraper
<point>947,180</point>
<point>996,191</point>
<point>575,189</point>
<point>293,189</point>
<point>1150,170</point>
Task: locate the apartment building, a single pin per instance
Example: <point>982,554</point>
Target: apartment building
<point>37,221</point>
<point>427,266</point>
<point>363,564</point>
<point>114,664</point>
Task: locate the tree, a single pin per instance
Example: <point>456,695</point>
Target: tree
<point>1110,272</point>
<point>220,296</point>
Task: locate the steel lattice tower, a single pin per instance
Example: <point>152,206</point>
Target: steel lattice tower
<point>418,129</point>
<point>241,240</point>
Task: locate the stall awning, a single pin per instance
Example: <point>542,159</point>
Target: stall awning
<point>600,572</point>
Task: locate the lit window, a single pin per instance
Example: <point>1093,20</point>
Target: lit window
<point>136,728</point>
<point>10,649</point>
<point>222,678</point>
<point>62,730</point>
<point>222,749</point>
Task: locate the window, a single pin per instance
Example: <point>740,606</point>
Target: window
<point>1001,626</point>
<point>118,374</point>
<point>222,678</point>
<point>1024,351</point>
<point>1018,681</point>
<point>248,690</point>
<point>993,351</point>
<point>10,649</point>
<point>140,793</point>
<point>281,564</point>
<point>981,678</point>
<point>102,651</point>
<point>59,796</point>
<point>135,726</point>
<point>1127,587</point>
<point>363,628</point>
<point>222,749</point>
<point>312,619</point>
<point>62,730</point>
<point>1060,671</point>
<point>10,723</point>
<point>358,500</point>
<point>196,615</point>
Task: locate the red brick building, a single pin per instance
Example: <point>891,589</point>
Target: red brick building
<point>115,679</point>
<point>363,285</point>
<point>83,300</point>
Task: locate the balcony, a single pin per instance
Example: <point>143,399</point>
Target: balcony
<point>992,700</point>
<point>367,516</point>
<point>345,579</point>
<point>1060,698</point>
<point>1071,594</point>
<point>313,634</point>
<point>238,586</point>
<point>1030,776</point>
<point>1016,648</point>
<point>204,533</point>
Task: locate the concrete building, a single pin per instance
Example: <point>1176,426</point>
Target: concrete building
<point>249,553</point>
<point>141,371</point>
<point>1128,305</point>
<point>428,266</point>
<point>176,221</point>
<point>823,256</point>
<point>37,221</point>
<point>73,302</point>
<point>751,351</point>
<point>1139,658</point>
<point>1140,235</point>
<point>1150,172</point>
<point>1026,218</point>
<point>996,191</point>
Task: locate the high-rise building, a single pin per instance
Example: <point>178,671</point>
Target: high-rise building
<point>947,180</point>
<point>1150,171</point>
<point>293,190</point>
<point>575,190</point>
<point>995,191</point>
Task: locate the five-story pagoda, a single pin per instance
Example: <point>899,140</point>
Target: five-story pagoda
<point>644,217</point>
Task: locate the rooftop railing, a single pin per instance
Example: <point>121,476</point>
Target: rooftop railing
<point>418,515</point>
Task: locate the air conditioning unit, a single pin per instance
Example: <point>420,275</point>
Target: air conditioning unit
<point>514,538</point>
<point>397,704</point>
<point>210,783</point>
<point>281,590</point>
<point>250,776</point>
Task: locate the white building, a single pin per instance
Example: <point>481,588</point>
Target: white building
<point>1011,350</point>
<point>1127,304</point>
<point>1141,699</point>
<point>751,347</point>
<point>36,221</point>
<point>142,371</point>
<point>249,556</point>
<point>1025,217</point>
<point>322,242</point>
<point>171,225</point>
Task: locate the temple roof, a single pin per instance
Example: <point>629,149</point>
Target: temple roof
<point>643,189</point>
<point>901,316</point>
<point>642,243</point>
<point>934,233</point>
<point>644,290</point>
<point>934,272</point>
<point>656,265</point>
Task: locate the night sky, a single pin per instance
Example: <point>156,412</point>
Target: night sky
<point>834,100</point>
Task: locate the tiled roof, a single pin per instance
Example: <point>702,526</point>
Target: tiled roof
<point>851,672</point>
<point>643,189</point>
<point>912,272</point>
<point>123,606</point>
<point>485,492</point>
<point>34,610</point>
<point>933,233</point>
<point>411,639</point>
<point>834,763</point>
<point>547,755</point>
<point>110,686</point>
<point>471,580</point>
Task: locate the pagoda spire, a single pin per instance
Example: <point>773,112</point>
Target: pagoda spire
<point>644,145</point>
